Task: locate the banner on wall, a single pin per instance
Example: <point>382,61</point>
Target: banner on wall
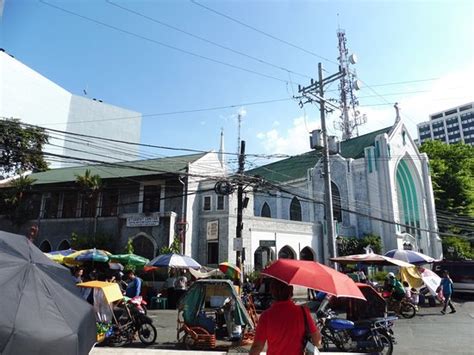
<point>213,230</point>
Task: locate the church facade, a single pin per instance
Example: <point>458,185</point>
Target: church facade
<point>381,186</point>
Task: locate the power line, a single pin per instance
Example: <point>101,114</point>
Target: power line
<point>262,32</point>
<point>144,144</point>
<point>178,112</point>
<point>234,66</point>
<point>259,60</point>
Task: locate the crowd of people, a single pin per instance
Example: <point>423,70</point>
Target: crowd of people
<point>132,285</point>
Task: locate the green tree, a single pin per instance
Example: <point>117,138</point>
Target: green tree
<point>172,249</point>
<point>21,148</point>
<point>129,249</point>
<point>15,203</point>
<point>457,248</point>
<point>353,245</point>
<point>452,174</point>
<point>89,184</point>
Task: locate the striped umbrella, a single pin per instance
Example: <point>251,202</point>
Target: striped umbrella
<point>230,270</point>
<point>81,256</point>
<point>410,256</point>
<point>175,261</point>
<point>58,255</point>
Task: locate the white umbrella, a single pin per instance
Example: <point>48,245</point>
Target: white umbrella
<point>175,261</point>
<point>431,280</point>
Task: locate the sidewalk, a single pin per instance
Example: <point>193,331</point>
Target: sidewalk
<point>135,351</point>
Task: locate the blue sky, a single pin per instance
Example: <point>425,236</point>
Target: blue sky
<point>395,41</point>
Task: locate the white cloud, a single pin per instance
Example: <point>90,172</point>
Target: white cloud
<point>295,141</point>
<point>242,112</point>
<point>449,91</point>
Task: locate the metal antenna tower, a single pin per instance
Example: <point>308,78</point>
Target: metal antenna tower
<point>351,117</point>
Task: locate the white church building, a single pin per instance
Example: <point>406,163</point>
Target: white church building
<point>381,186</point>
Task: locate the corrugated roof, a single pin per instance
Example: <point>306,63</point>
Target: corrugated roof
<point>296,167</point>
<point>136,168</point>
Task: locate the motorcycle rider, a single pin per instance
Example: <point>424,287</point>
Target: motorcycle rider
<point>398,291</point>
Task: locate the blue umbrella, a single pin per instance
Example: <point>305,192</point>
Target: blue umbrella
<point>410,256</point>
<point>94,255</point>
<point>176,261</point>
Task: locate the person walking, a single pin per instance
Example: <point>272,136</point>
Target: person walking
<point>134,286</point>
<point>282,326</point>
<point>446,286</point>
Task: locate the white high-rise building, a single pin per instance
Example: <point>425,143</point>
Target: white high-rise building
<point>449,126</point>
<point>36,100</point>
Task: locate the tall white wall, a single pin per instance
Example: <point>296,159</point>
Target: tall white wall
<point>96,118</point>
<point>29,96</point>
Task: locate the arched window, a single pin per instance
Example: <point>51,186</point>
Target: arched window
<point>45,246</point>
<point>143,246</point>
<point>64,245</point>
<point>307,254</point>
<point>266,212</point>
<point>295,210</point>
<point>336,202</point>
<point>263,256</point>
<point>286,253</point>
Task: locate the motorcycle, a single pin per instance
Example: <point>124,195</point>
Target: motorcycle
<point>404,307</point>
<point>119,320</point>
<point>373,335</point>
<point>132,321</point>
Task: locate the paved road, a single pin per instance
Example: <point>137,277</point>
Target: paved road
<point>429,332</point>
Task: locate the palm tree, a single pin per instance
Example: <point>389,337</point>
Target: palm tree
<point>90,188</point>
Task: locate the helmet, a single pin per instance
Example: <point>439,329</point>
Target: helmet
<point>390,274</point>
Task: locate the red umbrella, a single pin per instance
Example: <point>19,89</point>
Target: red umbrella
<point>313,275</point>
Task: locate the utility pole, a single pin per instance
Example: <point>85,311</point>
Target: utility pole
<point>240,207</point>
<point>315,93</point>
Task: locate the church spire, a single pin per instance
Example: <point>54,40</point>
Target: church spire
<point>221,150</point>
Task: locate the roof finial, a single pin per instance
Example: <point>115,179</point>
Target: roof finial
<point>397,110</point>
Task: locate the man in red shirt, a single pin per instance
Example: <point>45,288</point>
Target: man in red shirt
<point>283,325</point>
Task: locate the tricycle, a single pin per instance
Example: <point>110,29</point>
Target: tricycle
<point>119,319</point>
<point>212,311</point>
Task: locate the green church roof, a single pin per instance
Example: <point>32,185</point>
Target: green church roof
<point>296,167</point>
<point>173,165</point>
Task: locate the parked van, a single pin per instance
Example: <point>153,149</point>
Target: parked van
<point>461,272</point>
